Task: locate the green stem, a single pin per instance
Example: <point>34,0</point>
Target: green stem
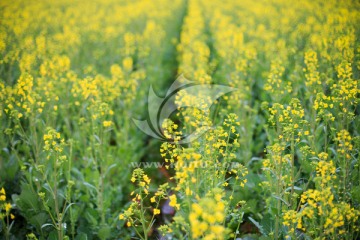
<point>292,168</point>
<point>58,214</point>
<point>69,194</point>
<point>278,205</point>
<point>143,222</point>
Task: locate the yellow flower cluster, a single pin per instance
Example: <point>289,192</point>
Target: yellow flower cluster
<point>136,214</point>
<point>277,158</point>
<point>346,89</point>
<point>319,207</point>
<point>173,202</point>
<point>194,52</point>
<point>235,54</point>
<point>344,144</point>
<point>207,216</point>
<point>142,181</point>
<point>326,170</point>
<point>290,218</point>
<point>53,142</point>
<point>170,130</point>
<point>313,81</point>
<point>197,115</point>
<point>344,141</point>
<point>22,101</point>
<point>289,120</point>
<point>212,161</point>
<point>323,105</point>
<point>5,206</point>
<point>275,84</point>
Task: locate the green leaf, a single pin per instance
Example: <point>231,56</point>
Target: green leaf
<point>39,220</point>
<point>28,200</point>
<point>355,193</point>
<point>91,216</point>
<point>53,235</point>
<point>261,229</point>
<point>81,236</point>
<point>104,232</point>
